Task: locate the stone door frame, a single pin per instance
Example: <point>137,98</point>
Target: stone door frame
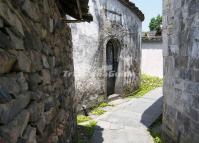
<point>104,64</point>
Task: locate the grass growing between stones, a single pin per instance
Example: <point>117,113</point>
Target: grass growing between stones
<point>82,118</point>
<point>148,83</point>
<point>86,124</point>
<point>98,111</point>
<point>104,104</point>
<point>155,130</point>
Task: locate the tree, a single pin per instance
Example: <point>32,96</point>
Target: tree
<point>155,24</point>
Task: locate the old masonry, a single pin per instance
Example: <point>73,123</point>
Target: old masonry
<point>107,51</point>
<point>36,99</point>
<point>38,79</point>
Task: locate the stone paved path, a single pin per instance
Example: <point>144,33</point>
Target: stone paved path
<point>127,122</point>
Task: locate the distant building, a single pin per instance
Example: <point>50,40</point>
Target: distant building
<point>107,51</point>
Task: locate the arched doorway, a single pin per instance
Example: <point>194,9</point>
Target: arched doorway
<point>112,61</point>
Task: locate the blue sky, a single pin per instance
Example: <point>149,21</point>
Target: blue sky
<point>150,8</point>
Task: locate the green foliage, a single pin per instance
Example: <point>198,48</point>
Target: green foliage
<point>98,111</point>
<point>103,104</point>
<point>82,118</point>
<point>148,83</point>
<point>155,24</point>
<point>155,130</point>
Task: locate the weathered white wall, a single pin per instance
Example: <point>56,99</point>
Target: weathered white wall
<point>90,39</point>
<point>152,58</point>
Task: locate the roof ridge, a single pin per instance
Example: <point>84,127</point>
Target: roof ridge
<point>133,8</point>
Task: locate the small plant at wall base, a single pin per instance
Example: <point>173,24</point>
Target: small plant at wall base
<point>104,104</point>
<point>148,83</point>
<point>98,111</point>
<point>155,130</point>
<point>82,118</point>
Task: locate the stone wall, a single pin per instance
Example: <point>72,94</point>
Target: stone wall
<point>36,97</point>
<point>112,21</point>
<point>181,71</point>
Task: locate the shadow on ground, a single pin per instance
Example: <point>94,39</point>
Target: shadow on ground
<point>151,114</point>
<point>85,134</point>
<point>97,136</point>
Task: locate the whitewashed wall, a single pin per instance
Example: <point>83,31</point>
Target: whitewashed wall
<point>152,58</point>
<point>89,41</point>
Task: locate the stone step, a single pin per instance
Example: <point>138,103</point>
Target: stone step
<point>114,97</point>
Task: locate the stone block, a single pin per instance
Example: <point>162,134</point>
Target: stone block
<point>36,111</point>
<point>47,50</point>
<point>41,124</point>
<point>194,63</point>
<point>49,103</point>
<point>192,87</point>
<point>11,19</point>
<point>17,3</point>
<point>181,61</point>
<point>29,135</point>
<point>52,61</point>
<point>44,33</point>
<point>46,6</point>
<point>186,74</point>
<point>10,84</point>
<point>45,76</point>
<point>174,49</point>
<point>4,40</point>
<point>34,80</point>
<point>32,41</point>
<point>51,25</point>
<point>23,64</point>
<point>9,110</point>
<point>7,61</point>
<point>31,9</point>
<point>49,115</point>
<point>196,75</point>
<point>45,62</point>
<point>17,42</point>
<point>36,59</point>
<point>15,129</point>
<point>37,95</point>
<point>53,139</point>
<point>4,96</point>
<point>178,84</point>
<point>195,101</point>
<point>194,114</point>
<point>21,79</point>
